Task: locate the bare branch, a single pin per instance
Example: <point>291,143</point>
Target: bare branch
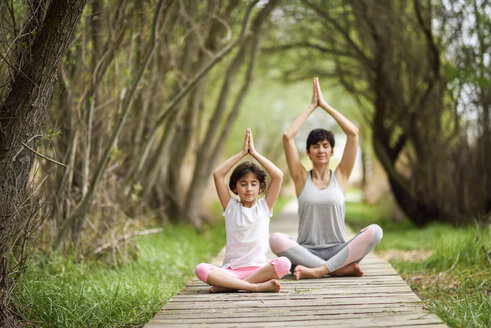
<point>324,14</point>
<point>171,106</point>
<point>43,156</point>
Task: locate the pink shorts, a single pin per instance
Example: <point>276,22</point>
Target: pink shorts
<point>281,266</point>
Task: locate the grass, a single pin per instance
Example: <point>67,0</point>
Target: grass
<point>57,291</point>
<point>61,292</point>
<point>453,279</point>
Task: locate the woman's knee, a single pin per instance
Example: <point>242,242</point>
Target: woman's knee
<point>374,234</point>
<point>279,242</point>
<point>378,233</point>
<point>202,271</point>
<point>281,265</point>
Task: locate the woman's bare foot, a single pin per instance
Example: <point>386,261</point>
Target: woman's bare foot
<point>302,272</point>
<point>215,289</point>
<point>268,286</point>
<point>350,270</point>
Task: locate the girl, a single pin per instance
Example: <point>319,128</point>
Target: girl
<point>321,247</point>
<point>247,226</point>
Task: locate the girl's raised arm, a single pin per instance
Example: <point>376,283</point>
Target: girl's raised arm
<point>345,167</point>
<point>273,171</point>
<point>220,172</point>
<point>297,170</point>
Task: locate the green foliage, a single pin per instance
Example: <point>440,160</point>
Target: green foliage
<point>116,154</point>
<point>136,193</point>
<point>454,280</point>
<point>64,292</point>
<point>52,133</point>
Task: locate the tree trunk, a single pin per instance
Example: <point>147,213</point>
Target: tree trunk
<point>22,117</point>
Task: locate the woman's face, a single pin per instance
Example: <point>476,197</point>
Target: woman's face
<point>320,152</point>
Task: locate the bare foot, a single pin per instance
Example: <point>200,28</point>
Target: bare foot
<point>269,286</point>
<point>350,270</point>
<point>215,289</point>
<point>302,272</point>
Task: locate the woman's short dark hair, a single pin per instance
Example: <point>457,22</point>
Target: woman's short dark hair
<point>242,170</point>
<point>317,135</point>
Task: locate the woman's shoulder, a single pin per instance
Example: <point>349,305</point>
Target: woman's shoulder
<point>339,179</point>
<point>301,181</point>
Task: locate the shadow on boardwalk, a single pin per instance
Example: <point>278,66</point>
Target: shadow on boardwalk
<point>378,299</point>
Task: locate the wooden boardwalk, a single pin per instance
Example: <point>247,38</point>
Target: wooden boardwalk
<point>378,299</point>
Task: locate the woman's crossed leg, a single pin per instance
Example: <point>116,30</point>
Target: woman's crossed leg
<point>339,260</point>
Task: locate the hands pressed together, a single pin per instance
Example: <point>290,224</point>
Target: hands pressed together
<point>248,147</point>
<point>317,98</point>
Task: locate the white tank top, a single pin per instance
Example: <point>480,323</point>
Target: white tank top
<point>247,233</point>
<point>321,214</point>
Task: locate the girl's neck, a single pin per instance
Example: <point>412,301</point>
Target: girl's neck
<point>247,203</point>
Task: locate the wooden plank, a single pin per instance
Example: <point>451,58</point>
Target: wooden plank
<point>314,294</point>
<point>280,303</point>
<point>380,298</point>
<point>204,295</point>
<point>379,317</point>
<point>365,322</point>
<point>287,311</point>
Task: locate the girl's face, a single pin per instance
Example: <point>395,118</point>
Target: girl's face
<point>320,153</point>
<point>248,189</point>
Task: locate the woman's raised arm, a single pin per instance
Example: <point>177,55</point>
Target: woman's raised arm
<point>345,167</point>
<point>295,167</point>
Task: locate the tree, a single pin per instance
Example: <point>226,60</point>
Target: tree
<point>390,55</point>
<point>76,221</point>
<point>41,43</point>
<point>214,139</point>
<point>129,101</point>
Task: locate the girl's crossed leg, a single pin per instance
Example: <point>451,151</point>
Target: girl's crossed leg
<point>252,279</point>
<point>339,260</point>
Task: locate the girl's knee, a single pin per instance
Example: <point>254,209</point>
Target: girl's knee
<point>202,271</point>
<point>280,242</point>
<point>281,265</point>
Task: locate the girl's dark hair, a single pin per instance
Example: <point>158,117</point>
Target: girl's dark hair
<point>242,170</point>
<point>317,135</point>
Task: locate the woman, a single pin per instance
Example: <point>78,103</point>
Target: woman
<point>321,248</point>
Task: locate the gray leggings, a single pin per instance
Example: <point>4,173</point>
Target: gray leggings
<point>337,256</point>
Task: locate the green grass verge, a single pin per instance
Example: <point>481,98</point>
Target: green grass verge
<point>454,281</point>
<point>62,292</point>
<point>56,291</point>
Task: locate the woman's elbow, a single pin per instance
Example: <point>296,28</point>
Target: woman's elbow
<point>354,132</point>
<point>286,136</point>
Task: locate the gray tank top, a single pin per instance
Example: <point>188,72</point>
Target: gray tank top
<point>321,214</point>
